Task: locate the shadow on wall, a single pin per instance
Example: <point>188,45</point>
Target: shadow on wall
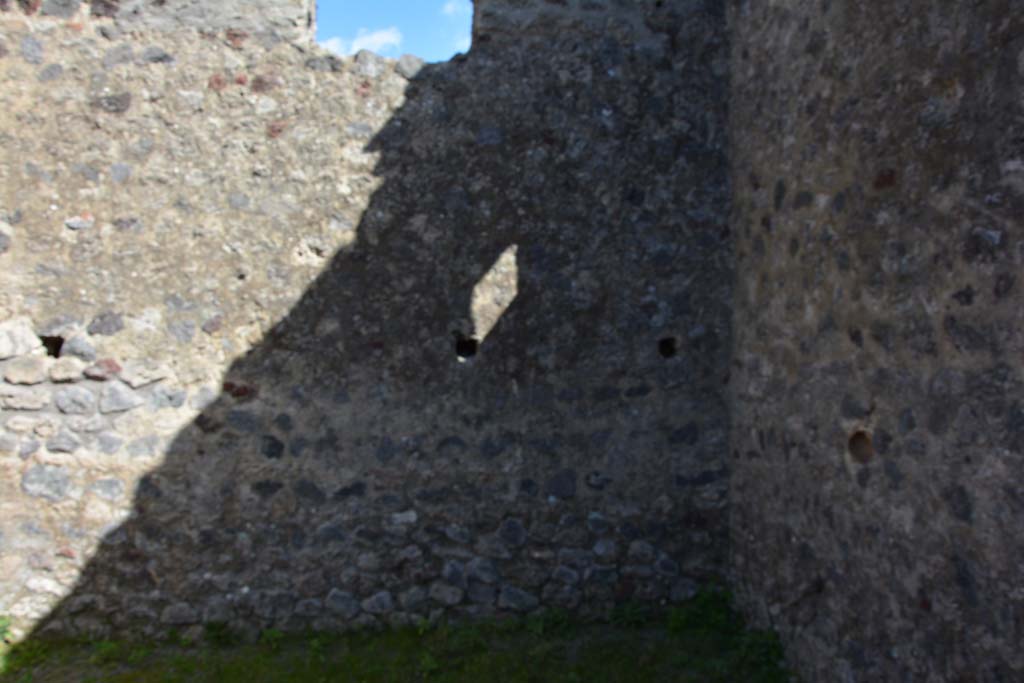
<point>355,468</point>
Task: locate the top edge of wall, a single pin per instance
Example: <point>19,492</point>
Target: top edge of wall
<point>293,20</point>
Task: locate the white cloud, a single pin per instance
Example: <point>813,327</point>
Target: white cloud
<point>381,41</point>
<point>457,8</point>
<point>335,44</point>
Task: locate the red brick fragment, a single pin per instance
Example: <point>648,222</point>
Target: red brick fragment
<point>263,84</point>
<point>236,38</point>
<point>885,179</point>
<point>276,128</point>
<point>243,392</point>
<point>217,82</point>
<point>103,369</point>
<point>241,79</point>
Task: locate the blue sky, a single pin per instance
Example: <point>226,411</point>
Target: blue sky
<point>432,29</point>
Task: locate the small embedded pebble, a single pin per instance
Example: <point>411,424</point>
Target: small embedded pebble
<point>83,222</point>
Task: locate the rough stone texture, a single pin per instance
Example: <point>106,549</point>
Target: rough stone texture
<point>361,335</point>
<point>878,166</point>
<point>257,20</point>
<point>461,334</point>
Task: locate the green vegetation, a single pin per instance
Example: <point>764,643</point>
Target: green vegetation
<point>704,641</point>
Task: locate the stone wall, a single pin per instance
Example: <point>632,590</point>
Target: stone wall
<point>877,508</point>
<point>291,340</point>
<point>295,340</point>
<point>271,19</point>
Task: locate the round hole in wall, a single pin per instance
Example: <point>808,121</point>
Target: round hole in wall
<point>466,347</point>
<point>668,347</point>
<point>860,446</point>
<point>53,345</point>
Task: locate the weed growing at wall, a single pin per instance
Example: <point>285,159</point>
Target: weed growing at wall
<point>705,641</point>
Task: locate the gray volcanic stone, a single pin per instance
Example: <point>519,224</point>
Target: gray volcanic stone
<point>666,566</point>
<point>109,442</point>
<point>408,66</point>
<point>483,569</point>
<point>566,575</point>
<point>112,104</point>
<point>167,397</point>
<point>31,50</point>
<point>445,594</point>
<point>76,400</point>
<point>606,549</point>
<point>144,447</point>
<point>513,532</point>
<point>47,481</point>
<point>77,223</point>
<point>155,55</point>
<point>179,614</point>
<point>516,599</point>
<point>120,173</point>
<point>454,572</point>
<point>79,347</point>
<point>458,534</point>
<point>481,593</point>
<point>218,611</point>
<point>413,599</point>
<point>118,398</point>
<point>562,484</point>
<point>379,603</point>
<point>326,63</point>
<point>50,72</point>
<point>368,65</point>
<point>108,489</point>
<point>342,603</point>
<point>63,442</point>
<point>60,8</point>
<point>106,323</point>
<point>641,551</point>
<point>119,54</point>
<point>311,607</point>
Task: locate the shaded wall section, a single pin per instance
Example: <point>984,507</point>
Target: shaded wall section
<point>877,508</point>
<point>352,341</point>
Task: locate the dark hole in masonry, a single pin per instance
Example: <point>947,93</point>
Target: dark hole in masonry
<point>861,448</point>
<point>465,347</point>
<point>53,346</point>
<point>668,347</point>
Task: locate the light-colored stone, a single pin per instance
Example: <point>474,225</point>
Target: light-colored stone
<point>18,338</point>
<point>29,370</point>
<point>117,398</point>
<point>23,398</point>
<point>139,373</point>
<point>21,424</point>
<point>75,401</point>
<point>66,369</point>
